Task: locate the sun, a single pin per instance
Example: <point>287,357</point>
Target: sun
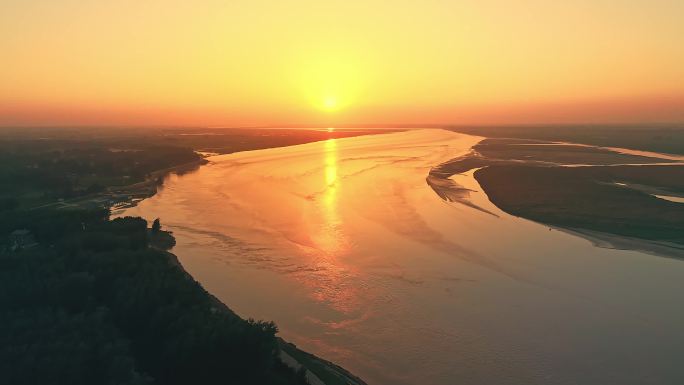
<point>330,82</point>
<point>330,103</point>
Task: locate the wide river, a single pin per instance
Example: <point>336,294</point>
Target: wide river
<point>344,245</point>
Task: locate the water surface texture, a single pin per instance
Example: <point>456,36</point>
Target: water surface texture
<point>358,260</point>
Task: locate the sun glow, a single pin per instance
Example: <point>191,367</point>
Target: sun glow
<point>330,103</point>
<point>331,82</point>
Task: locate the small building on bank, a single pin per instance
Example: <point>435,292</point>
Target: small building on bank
<point>21,239</point>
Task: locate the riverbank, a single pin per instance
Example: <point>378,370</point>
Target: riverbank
<point>98,300</point>
<point>317,370</point>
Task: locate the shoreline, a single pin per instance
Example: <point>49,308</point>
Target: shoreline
<point>617,242</point>
<point>319,371</point>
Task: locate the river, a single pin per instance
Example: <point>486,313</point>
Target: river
<point>344,245</point>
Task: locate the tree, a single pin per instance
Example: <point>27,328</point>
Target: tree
<point>156,226</point>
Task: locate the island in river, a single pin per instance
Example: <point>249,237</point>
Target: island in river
<point>610,195</point>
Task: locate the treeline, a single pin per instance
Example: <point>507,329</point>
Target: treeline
<point>51,170</point>
<point>92,303</point>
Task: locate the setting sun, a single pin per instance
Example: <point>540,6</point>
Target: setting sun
<point>330,81</point>
<point>330,104</point>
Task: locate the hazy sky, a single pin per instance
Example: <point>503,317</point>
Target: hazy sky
<point>252,62</point>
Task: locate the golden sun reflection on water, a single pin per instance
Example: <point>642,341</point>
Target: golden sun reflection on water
<point>330,238</point>
<point>329,283</point>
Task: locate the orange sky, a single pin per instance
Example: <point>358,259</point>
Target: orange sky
<point>337,62</point>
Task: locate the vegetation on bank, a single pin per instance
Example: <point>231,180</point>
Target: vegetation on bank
<point>93,303</point>
<point>34,172</point>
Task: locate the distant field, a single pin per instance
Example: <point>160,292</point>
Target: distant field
<point>667,139</point>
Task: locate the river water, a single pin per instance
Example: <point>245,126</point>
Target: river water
<point>344,245</point>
